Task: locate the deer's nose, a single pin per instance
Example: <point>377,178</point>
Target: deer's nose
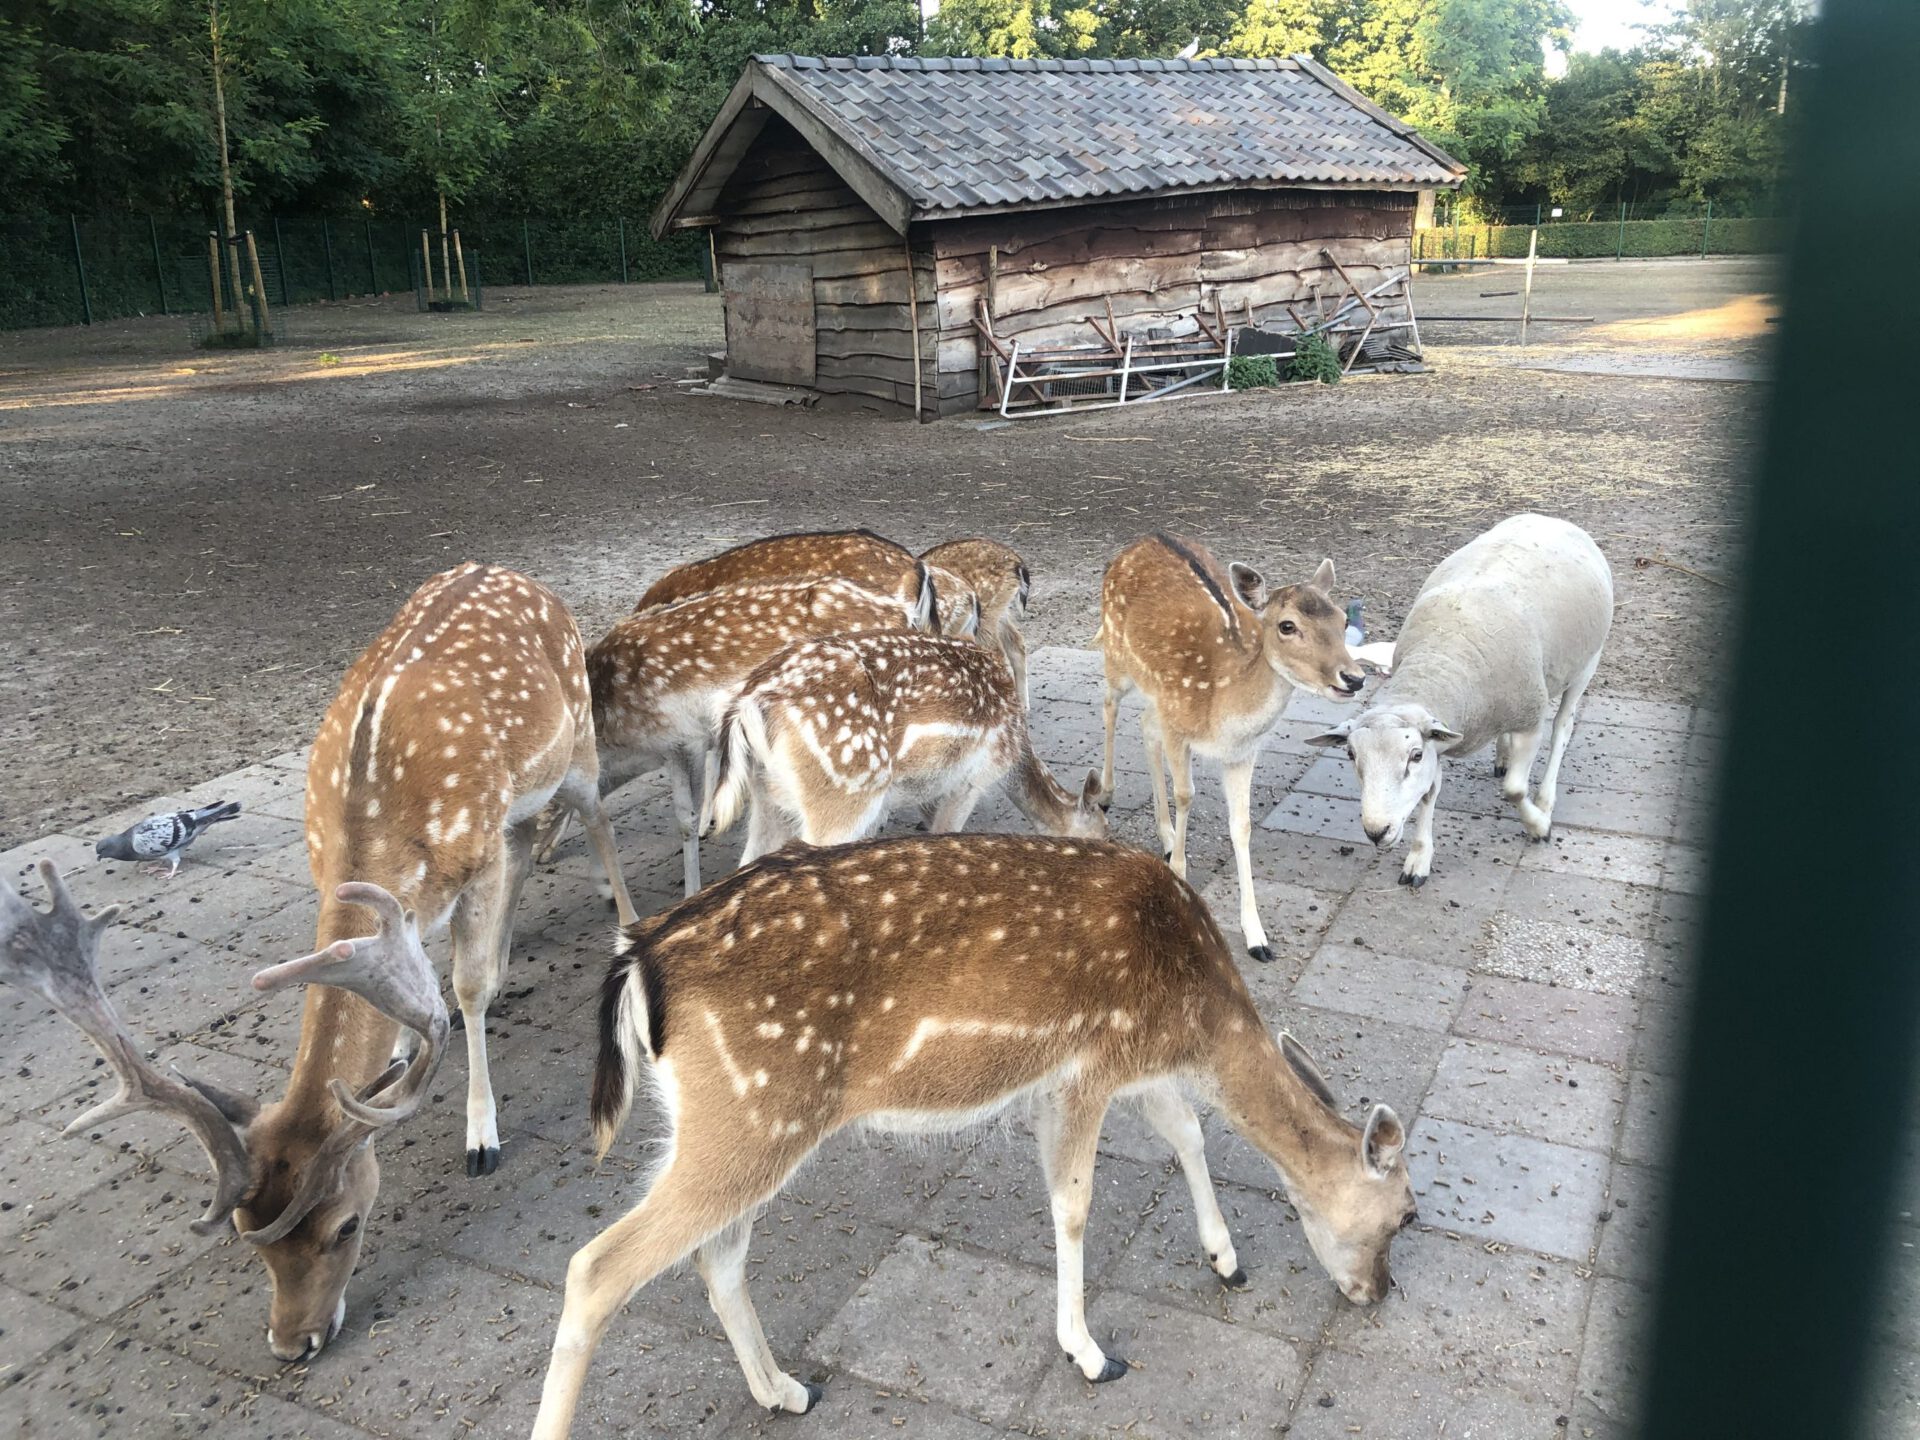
<point>1352,682</point>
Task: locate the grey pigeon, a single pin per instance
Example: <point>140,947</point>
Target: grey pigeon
<point>165,837</point>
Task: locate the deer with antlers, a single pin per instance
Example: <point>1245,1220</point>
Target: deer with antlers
<point>662,677</point>
<point>998,578</point>
<point>926,984</point>
<point>449,734</point>
<point>859,556</point>
<point>1217,656</point>
<point>826,733</point>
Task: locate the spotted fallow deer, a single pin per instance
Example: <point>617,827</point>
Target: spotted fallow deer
<point>1217,657</point>
<point>662,676</point>
<point>449,733</point>
<point>956,607</point>
<point>824,735</point>
<point>998,576</point>
<point>866,559</point>
<point>926,984</point>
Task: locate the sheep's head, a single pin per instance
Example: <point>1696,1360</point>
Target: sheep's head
<point>1395,751</point>
<point>1304,632</point>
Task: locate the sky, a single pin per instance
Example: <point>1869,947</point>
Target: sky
<point>1600,23</point>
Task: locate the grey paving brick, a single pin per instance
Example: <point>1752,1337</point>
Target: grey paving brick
<point>1549,1097</point>
<point>1685,869</point>
<point>860,1411</point>
<point>71,855</point>
<point>1612,1360</point>
<point>1198,1376</point>
<point>1295,916</point>
<point>1571,899</point>
<point>1438,922</point>
<point>1497,1186</point>
<point>1366,1060</point>
<point>1653,1103</point>
<point>1505,1319</point>
<point>1662,1032</point>
<point>1346,1396</point>
<point>28,1329</point>
<point>104,1385</point>
<point>966,1331</point>
<point>1545,952</point>
<point>1630,1238</point>
<point>1627,710</point>
<point>1361,981</point>
<point>1652,814</point>
<point>1549,1017</point>
<point>1893,1393</point>
<point>1628,859</point>
<point>1320,816</point>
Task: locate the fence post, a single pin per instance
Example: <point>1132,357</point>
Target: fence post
<point>526,247</point>
<point>326,244</point>
<point>159,270</point>
<point>1620,245</point>
<point>1536,213</point>
<point>623,249</point>
<point>373,274</point>
<point>280,259</point>
<point>80,269</point>
<point>1706,231</point>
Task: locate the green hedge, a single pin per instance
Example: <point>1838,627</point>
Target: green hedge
<point>1597,239</point>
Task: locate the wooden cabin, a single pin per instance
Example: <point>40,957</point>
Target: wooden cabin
<point>874,219</point>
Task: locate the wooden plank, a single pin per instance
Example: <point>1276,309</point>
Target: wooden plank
<point>852,162</point>
<point>895,368</point>
<point>860,235</point>
<point>812,219</point>
<point>852,344</point>
<point>769,314</point>
<point>862,317</point>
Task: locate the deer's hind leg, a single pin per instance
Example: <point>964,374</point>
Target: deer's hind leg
<point>722,1262</point>
<point>1067,1124</point>
<point>580,794</point>
<point>695,1204</point>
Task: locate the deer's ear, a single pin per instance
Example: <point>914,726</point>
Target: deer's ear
<point>1323,577</point>
<point>1249,584</point>
<point>238,1109</point>
<point>1383,1141</point>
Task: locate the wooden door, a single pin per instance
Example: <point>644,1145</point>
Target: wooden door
<point>769,307</point>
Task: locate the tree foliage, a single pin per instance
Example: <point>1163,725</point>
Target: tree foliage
<point>577,106</point>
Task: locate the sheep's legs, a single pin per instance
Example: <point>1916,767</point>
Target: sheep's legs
<point>1525,745</point>
<point>1501,749</point>
<point>1420,852</point>
<point>1239,785</point>
<point>1562,734</point>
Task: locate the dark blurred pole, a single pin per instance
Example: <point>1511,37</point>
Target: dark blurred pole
<point>80,271</point>
<point>159,270</point>
<point>326,244</point>
<point>1801,1057</point>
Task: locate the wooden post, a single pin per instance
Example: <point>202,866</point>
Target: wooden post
<point>264,322</point>
<point>460,259</point>
<point>713,264</point>
<point>213,263</point>
<point>159,271</point>
<point>1526,290</point>
<point>993,280</point>
<point>80,269</point>
<point>526,248</point>
<point>621,221</point>
<point>373,270</point>
<point>1706,231</point>
<point>1620,245</point>
<point>426,265</point>
<point>446,265</point>
<point>913,320</point>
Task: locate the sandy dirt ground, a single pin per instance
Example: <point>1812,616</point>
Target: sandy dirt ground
<point>197,545</point>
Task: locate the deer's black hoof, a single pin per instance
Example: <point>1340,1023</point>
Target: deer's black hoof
<point>814,1392</point>
<point>1237,1281</point>
<point>483,1161</point>
<point>1262,953</point>
<point>1412,882</point>
<point>1112,1370</point>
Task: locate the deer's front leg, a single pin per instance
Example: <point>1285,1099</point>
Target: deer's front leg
<point>482,912</point>
<point>1238,778</point>
<point>1068,1129</point>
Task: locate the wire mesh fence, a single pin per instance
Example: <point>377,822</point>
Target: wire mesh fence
<point>1622,231</point>
<point>68,270</point>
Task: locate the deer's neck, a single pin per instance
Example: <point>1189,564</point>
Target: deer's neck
<point>1275,1111</point>
<point>1048,804</point>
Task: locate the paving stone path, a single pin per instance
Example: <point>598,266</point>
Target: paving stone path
<point>1520,1013</point>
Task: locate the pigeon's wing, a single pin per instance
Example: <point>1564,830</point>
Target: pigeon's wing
<point>158,835</point>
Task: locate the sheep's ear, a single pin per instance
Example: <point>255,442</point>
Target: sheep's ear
<point>1249,584</point>
<point>1323,577</point>
<point>1444,733</point>
<point>1332,739</point>
<point>1383,1141</point>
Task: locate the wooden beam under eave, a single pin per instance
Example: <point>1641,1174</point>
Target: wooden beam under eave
<point>852,160</point>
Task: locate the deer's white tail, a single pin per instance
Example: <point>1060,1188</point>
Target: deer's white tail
<point>743,744</point>
<point>632,1031</point>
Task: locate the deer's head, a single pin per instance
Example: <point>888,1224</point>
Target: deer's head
<point>1303,633</point>
<point>295,1179</point>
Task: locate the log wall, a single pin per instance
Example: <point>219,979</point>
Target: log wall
<point>1157,260</point>
<point>785,203</point>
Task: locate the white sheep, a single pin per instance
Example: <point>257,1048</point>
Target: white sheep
<point>1504,626</point>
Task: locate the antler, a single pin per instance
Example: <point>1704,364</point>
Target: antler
<point>390,970</point>
<point>55,954</point>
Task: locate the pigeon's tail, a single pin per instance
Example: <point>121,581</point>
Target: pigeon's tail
<point>214,814</point>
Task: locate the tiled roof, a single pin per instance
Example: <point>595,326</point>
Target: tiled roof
<point>958,136</point>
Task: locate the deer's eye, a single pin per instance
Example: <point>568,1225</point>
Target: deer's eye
<point>347,1231</point>
<point>1287,627</point>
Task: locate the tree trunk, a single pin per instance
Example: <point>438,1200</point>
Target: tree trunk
<point>230,226</point>
<point>446,261</point>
